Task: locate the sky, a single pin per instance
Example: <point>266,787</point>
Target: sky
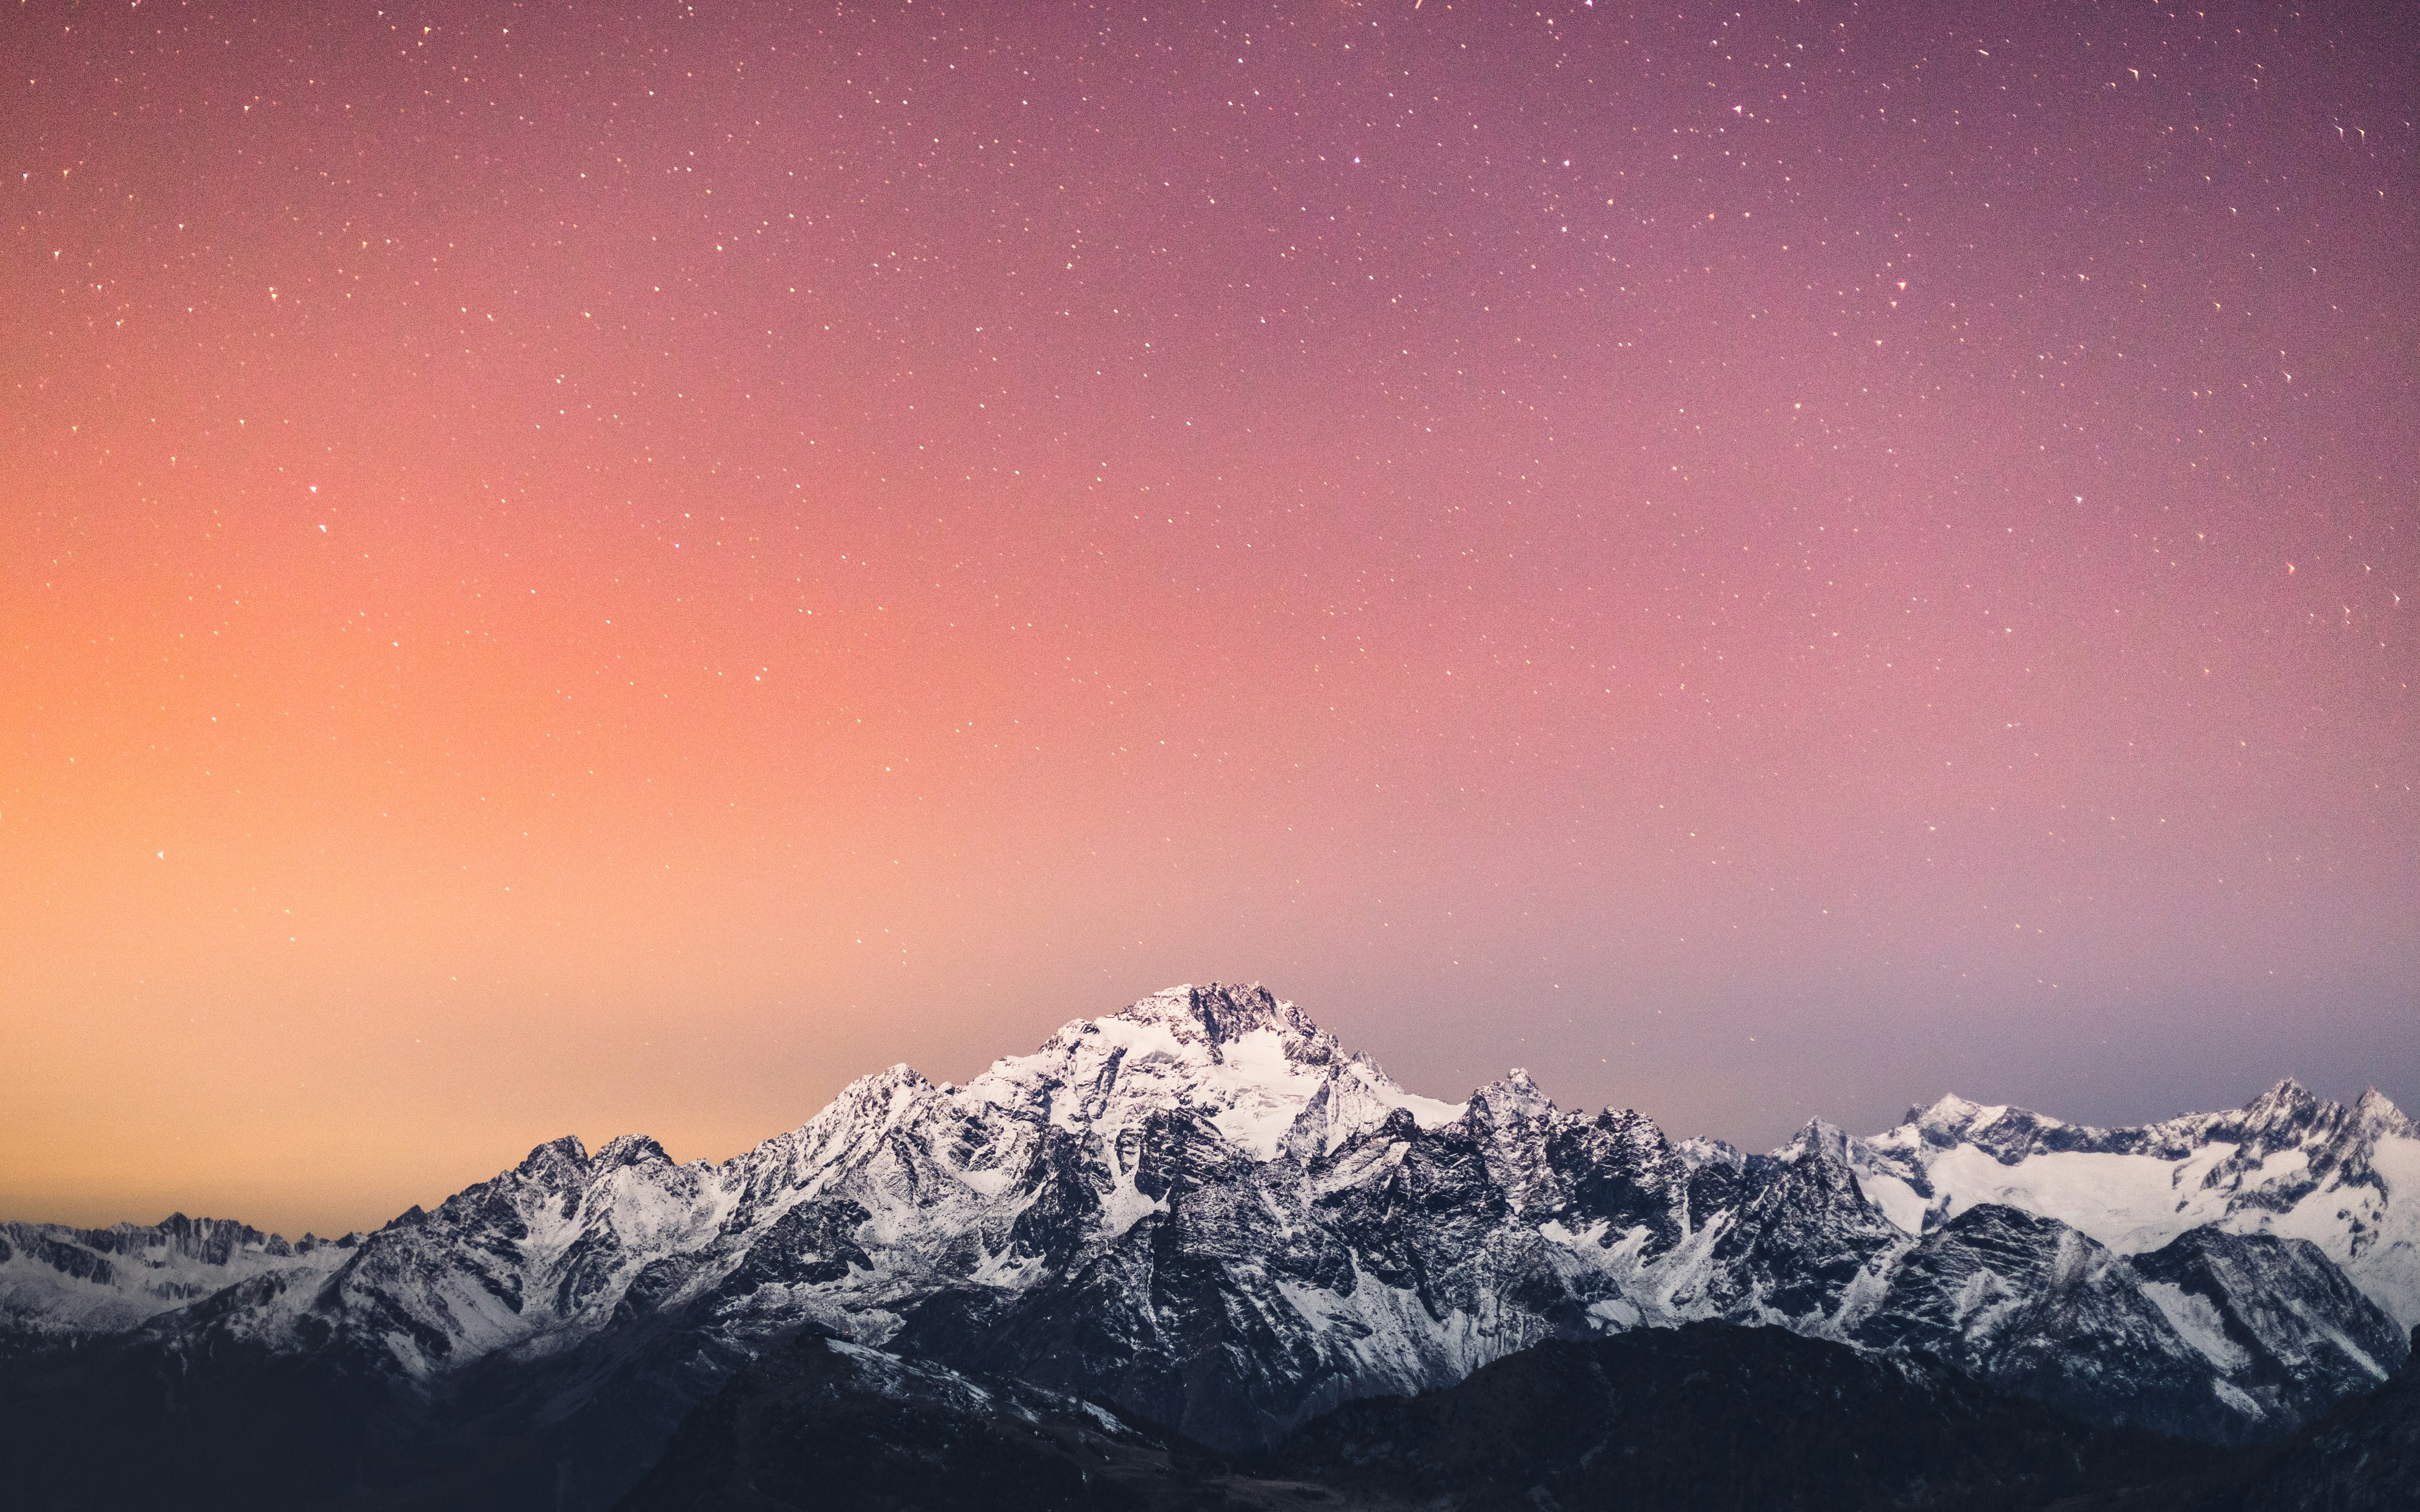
<point>604,567</point>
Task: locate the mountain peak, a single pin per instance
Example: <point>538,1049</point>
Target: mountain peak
<point>1946,1108</point>
<point>2376,1110</point>
<point>1514,1095</point>
<point>2288,1102</point>
<point>557,1163</point>
<point>1250,1063</point>
<point>1220,1013</point>
<point>631,1150</point>
<point>1949,1113</point>
<point>881,1092</point>
<point>1819,1138</point>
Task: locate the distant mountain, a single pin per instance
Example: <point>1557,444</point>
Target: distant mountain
<point>2344,1177</point>
<point>60,1285</point>
<point>1203,1210</point>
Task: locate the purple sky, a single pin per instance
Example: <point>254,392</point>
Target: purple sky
<point>601,569</point>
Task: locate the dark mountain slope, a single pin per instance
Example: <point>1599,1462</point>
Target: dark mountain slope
<point>2365,1458</point>
<point>1705,1418</point>
<point>1710,1417</point>
<point>826,1425</point>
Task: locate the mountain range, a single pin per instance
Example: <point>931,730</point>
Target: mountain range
<point>1203,1212</point>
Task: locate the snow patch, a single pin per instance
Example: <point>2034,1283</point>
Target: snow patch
<point>1897,1200</point>
<point>2128,1202</point>
<point>2238,1399</point>
<point>2197,1320</point>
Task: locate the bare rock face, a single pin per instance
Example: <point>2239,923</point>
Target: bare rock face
<point>1203,1210</point>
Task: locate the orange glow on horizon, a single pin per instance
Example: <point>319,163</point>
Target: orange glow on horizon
<point>585,572</point>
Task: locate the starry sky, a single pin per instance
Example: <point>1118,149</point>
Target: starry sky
<point>610,566</point>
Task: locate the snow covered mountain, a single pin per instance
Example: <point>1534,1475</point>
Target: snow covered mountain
<point>2346,1178</point>
<point>2216,1335</point>
<point>1202,1208</point>
<point>59,1284</point>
